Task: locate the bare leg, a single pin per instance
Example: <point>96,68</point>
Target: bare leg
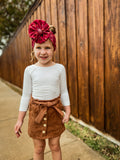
<point>39,147</point>
<point>54,144</point>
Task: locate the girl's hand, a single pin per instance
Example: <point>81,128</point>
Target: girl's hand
<point>66,118</point>
<point>17,128</point>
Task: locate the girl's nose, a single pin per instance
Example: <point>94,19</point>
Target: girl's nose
<point>43,51</point>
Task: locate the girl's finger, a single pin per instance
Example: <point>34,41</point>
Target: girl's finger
<point>20,131</point>
<point>16,130</point>
<point>17,134</point>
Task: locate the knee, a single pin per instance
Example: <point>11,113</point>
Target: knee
<point>40,149</point>
<point>54,147</point>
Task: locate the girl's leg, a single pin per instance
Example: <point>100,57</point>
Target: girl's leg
<point>39,147</point>
<point>54,144</point>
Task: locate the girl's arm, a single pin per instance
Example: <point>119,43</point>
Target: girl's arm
<point>67,110</point>
<point>21,115</point>
<point>64,92</point>
<point>26,92</point>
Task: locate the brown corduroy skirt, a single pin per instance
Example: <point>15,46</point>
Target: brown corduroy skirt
<point>45,118</point>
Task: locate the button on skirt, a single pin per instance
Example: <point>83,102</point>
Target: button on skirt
<point>45,118</point>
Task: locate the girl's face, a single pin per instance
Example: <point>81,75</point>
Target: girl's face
<point>44,52</point>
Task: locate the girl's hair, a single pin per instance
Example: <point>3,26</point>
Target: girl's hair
<point>32,57</point>
<point>52,28</point>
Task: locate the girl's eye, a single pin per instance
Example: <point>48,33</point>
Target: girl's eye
<point>45,47</point>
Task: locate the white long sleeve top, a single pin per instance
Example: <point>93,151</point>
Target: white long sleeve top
<point>44,83</point>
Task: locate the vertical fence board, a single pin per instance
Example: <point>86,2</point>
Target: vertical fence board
<point>82,59</point>
<point>62,33</point>
<point>38,13</point>
<point>13,64</point>
<point>25,46</point>
<point>96,54</point>
<point>28,52</point>
<point>9,64</point>
<point>42,9</point>
<point>48,11</point>
<point>71,52</point>
<point>17,61</point>
<point>112,69</point>
<point>3,62</point>
<point>22,53</point>
<point>30,41</point>
<point>34,15</point>
<point>7,67</point>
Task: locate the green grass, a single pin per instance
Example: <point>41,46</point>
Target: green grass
<point>104,147</point>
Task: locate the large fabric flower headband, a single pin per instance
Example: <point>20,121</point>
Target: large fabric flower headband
<point>39,31</point>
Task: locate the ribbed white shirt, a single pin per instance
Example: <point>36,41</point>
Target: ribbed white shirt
<point>44,83</point>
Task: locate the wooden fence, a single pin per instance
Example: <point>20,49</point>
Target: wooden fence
<point>88,45</point>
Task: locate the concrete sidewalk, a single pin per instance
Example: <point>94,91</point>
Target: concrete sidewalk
<point>13,148</point>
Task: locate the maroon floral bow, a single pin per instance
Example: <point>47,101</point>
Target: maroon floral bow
<point>39,32</point>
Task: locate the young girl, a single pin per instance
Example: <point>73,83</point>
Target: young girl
<point>44,93</point>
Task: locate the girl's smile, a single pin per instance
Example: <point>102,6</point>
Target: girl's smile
<point>43,58</point>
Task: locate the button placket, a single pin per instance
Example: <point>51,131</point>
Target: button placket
<point>45,121</point>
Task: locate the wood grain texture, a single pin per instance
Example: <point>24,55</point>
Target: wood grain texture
<point>62,32</point>
<point>82,59</point>
<point>71,53</point>
<point>96,60</point>
<point>112,68</point>
<point>42,9</point>
<point>34,15</point>
<point>48,11</point>
<point>38,12</point>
